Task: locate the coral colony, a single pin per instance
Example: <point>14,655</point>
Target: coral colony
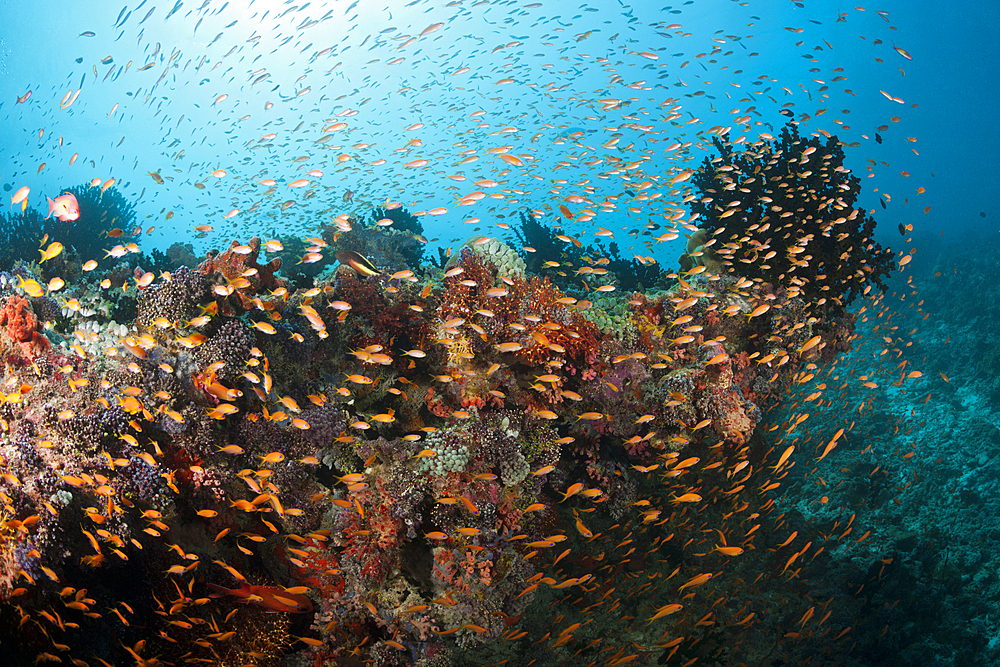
<point>390,462</point>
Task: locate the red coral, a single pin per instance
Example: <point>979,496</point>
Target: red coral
<point>22,327</point>
<point>473,401</point>
<point>436,404</point>
<point>462,572</point>
<point>465,292</point>
<point>230,269</point>
<point>372,537</point>
<point>322,567</point>
<point>576,336</point>
<point>557,329</point>
<point>376,317</point>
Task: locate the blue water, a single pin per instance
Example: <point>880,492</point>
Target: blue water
<point>946,98</point>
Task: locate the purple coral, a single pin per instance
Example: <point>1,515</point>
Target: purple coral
<point>231,344</point>
<point>99,429</point>
<point>175,299</point>
<point>144,481</point>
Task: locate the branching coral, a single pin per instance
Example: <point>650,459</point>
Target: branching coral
<point>238,278</point>
<point>793,218</point>
<point>101,211</point>
<point>19,237</point>
<point>630,273</point>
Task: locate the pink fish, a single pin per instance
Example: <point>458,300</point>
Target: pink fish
<point>65,207</point>
<point>20,196</point>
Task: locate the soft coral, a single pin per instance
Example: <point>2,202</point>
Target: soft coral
<point>22,325</point>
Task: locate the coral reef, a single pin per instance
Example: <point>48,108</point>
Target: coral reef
<point>428,460</point>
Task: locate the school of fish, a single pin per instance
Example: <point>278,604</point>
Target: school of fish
<point>442,462</point>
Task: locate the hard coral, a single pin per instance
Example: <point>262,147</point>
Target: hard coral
<point>231,343</point>
<point>22,327</point>
<point>237,268</point>
<point>698,253</point>
<point>176,299</point>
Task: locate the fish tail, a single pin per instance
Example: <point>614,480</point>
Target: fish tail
<point>220,591</point>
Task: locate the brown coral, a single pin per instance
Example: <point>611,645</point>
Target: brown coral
<point>237,271</point>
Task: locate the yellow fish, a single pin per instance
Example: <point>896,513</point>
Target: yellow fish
<point>52,251</point>
<point>31,286</point>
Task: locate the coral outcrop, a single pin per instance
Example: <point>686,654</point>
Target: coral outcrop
<point>239,281</point>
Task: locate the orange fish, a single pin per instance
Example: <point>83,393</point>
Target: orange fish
<point>666,611</point>
<point>573,490</point>
<point>729,551</point>
<point>696,581</point>
<point>269,597</point>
